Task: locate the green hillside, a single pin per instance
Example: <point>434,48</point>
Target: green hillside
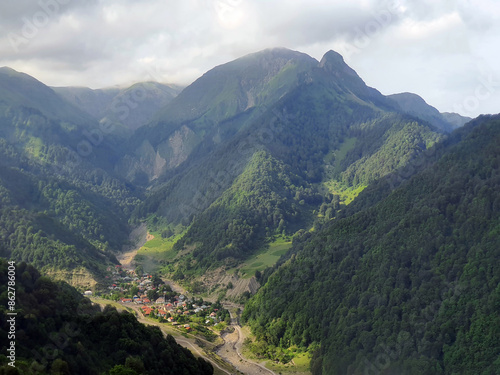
<point>416,106</point>
<point>264,200</point>
<point>408,285</point>
<point>323,141</point>
<point>23,91</point>
<point>59,332</point>
<point>214,108</point>
<point>62,208</point>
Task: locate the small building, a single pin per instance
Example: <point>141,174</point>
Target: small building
<point>87,293</point>
<point>146,310</point>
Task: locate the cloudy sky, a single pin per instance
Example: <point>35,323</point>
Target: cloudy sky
<point>447,51</point>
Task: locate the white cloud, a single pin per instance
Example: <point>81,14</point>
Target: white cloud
<point>428,47</point>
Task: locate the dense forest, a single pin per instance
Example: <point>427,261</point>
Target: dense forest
<point>408,285</point>
<point>58,210</point>
<point>58,221</point>
<point>295,161</point>
<point>258,204</point>
<point>59,332</point>
<point>395,223</point>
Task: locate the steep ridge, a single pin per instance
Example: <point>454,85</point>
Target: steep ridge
<point>214,108</point>
<point>330,134</point>
<point>62,207</point>
<point>414,105</point>
<point>407,285</point>
<point>21,90</point>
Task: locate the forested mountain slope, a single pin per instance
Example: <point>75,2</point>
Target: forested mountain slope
<point>265,145</point>
<point>408,285</point>
<point>59,332</point>
<point>212,110</point>
<point>62,208</point>
<point>328,136</point>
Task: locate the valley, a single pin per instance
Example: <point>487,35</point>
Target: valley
<point>138,237</point>
<point>226,357</point>
<point>275,216</point>
<point>224,353</point>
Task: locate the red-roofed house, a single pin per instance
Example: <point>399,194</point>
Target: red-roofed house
<point>146,310</point>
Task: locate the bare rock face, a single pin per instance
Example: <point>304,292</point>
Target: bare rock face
<point>79,277</point>
<point>217,280</point>
<point>177,148</point>
<point>150,163</point>
<point>241,286</point>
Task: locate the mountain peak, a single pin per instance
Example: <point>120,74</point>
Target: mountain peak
<point>9,72</point>
<point>6,69</point>
<point>333,62</point>
<point>332,56</point>
<point>276,53</point>
<point>415,105</point>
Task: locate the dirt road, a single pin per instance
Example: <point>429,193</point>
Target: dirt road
<point>188,342</point>
<point>137,238</point>
<point>231,350</point>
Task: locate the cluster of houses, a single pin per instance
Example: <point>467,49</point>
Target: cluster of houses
<point>170,310</point>
<point>122,276</point>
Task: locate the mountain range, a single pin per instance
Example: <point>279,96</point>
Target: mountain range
<point>195,156</point>
<point>388,206</point>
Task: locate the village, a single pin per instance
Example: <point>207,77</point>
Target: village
<point>155,299</point>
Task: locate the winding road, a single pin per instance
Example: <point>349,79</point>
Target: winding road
<point>185,342</point>
<point>231,350</point>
